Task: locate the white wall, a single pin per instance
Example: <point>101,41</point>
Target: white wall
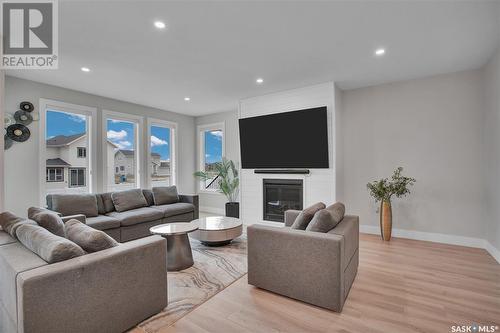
<point>491,173</point>
<point>319,185</point>
<point>433,128</point>
<point>21,161</point>
<point>215,202</point>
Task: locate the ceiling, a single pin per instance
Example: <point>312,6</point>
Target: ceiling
<point>214,51</point>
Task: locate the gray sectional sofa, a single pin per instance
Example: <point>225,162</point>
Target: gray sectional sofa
<point>99,212</point>
<point>314,267</point>
<point>107,291</point>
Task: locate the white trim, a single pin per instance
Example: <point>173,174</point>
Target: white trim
<point>139,145</point>
<point>88,111</point>
<point>2,152</point>
<point>213,210</point>
<point>495,253</point>
<point>173,148</point>
<point>437,238</point>
<point>201,149</point>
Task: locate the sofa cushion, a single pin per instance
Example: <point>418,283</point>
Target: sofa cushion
<point>107,201</point>
<point>48,220</point>
<point>306,216</point>
<point>328,218</point>
<point>100,204</point>
<point>148,194</point>
<point>72,204</point>
<point>10,222</point>
<point>5,238</point>
<point>46,245</point>
<point>128,200</point>
<point>175,208</point>
<point>165,195</point>
<point>135,216</point>
<point>15,258</point>
<point>102,222</point>
<point>88,238</point>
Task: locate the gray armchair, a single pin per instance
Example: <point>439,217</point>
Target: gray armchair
<point>317,268</point>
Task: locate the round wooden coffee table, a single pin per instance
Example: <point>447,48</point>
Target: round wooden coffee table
<point>179,255</point>
<point>217,230</point>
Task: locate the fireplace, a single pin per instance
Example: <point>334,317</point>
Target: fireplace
<point>281,195</point>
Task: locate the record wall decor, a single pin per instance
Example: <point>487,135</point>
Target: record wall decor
<point>15,126</point>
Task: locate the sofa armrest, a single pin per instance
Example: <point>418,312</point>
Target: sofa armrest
<point>79,217</point>
<point>291,216</point>
<point>300,264</point>
<point>192,199</point>
<point>107,291</point>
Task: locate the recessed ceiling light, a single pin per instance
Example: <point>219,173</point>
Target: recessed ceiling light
<point>379,52</point>
<point>85,69</point>
<point>160,24</point>
<point>259,80</point>
<point>187,99</point>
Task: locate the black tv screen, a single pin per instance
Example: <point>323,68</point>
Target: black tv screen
<point>297,139</point>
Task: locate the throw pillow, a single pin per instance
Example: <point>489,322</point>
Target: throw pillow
<point>148,194</point>
<point>306,216</point>
<point>72,204</point>
<point>46,245</point>
<point>48,220</point>
<point>88,238</point>
<point>328,218</point>
<point>107,201</point>
<point>129,199</point>
<point>10,222</point>
<point>165,195</point>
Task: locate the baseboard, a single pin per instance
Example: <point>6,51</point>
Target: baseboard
<point>437,238</point>
<point>213,210</point>
<point>495,253</point>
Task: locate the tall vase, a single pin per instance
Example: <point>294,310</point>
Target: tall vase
<point>385,220</point>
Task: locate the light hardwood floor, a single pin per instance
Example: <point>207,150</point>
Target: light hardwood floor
<point>401,286</point>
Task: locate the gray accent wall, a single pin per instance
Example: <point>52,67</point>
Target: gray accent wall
<point>432,127</point>
<point>491,173</point>
<point>21,161</point>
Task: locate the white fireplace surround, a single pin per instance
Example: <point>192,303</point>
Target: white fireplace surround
<point>319,184</point>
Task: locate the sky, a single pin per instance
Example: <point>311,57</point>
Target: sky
<point>213,146</point>
<point>121,133</point>
<point>60,123</point>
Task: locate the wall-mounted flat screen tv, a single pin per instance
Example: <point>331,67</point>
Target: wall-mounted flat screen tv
<point>297,139</point>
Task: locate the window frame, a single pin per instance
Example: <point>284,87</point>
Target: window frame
<point>45,105</point>
<point>47,177</point>
<point>201,129</point>
<point>70,185</point>
<point>173,148</point>
<point>81,149</point>
<point>138,122</point>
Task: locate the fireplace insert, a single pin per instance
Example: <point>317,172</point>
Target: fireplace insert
<point>281,195</point>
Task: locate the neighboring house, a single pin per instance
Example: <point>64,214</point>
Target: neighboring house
<point>67,163</point>
<point>124,165</point>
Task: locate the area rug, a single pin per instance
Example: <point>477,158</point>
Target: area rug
<point>214,269</point>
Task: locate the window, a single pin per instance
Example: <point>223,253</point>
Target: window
<point>67,141</point>
<point>55,174</point>
<point>211,150</point>
<point>161,147</point>
<point>81,152</point>
<point>122,151</point>
<point>76,177</point>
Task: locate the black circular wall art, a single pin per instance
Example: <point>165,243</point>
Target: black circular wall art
<point>18,132</point>
<point>23,117</point>
<point>26,106</point>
